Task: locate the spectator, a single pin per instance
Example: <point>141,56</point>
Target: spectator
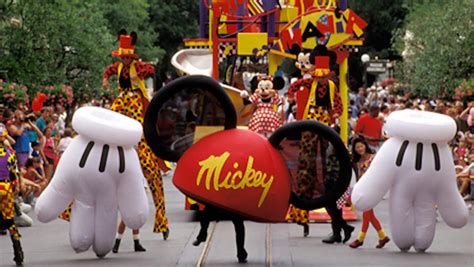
<point>65,141</point>
<point>41,121</point>
<point>50,152</point>
<point>355,109</point>
<point>360,98</point>
<point>369,126</point>
<point>37,151</point>
<point>61,124</point>
<point>19,129</point>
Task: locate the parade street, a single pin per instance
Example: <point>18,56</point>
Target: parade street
<point>267,244</point>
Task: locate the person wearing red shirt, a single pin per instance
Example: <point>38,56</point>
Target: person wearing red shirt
<point>132,101</point>
<point>369,126</point>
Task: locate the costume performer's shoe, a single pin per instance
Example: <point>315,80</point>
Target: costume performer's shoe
<point>242,256</point>
<point>117,245</point>
<point>356,244</point>
<point>348,229</point>
<point>199,240</point>
<point>305,230</point>
<point>382,242</point>
<point>166,234</point>
<point>138,246</point>
<point>18,251</point>
<point>333,239</point>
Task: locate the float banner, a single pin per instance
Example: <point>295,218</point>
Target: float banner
<point>319,26</point>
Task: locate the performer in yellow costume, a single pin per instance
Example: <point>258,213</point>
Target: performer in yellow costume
<point>8,177</point>
<point>317,98</point>
<point>132,102</point>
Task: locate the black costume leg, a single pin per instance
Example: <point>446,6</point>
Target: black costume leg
<point>204,220</point>
<point>240,239</point>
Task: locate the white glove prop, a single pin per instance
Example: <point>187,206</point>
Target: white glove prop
<point>416,165</point>
<point>244,94</point>
<point>100,172</point>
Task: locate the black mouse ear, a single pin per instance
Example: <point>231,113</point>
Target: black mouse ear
<point>134,37</point>
<point>121,32</point>
<point>170,128</point>
<point>254,83</point>
<point>337,12</point>
<point>295,49</point>
<point>332,57</point>
<point>292,135</point>
<point>278,83</point>
<point>312,57</point>
<point>319,50</point>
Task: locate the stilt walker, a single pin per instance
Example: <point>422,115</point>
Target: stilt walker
<point>8,179</point>
<point>318,99</point>
<point>132,102</point>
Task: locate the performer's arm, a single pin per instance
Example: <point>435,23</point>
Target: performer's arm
<point>294,87</point>
<point>110,70</point>
<point>144,69</point>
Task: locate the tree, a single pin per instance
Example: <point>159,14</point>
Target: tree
<point>438,46</point>
<point>383,18</point>
<point>133,16</point>
<point>57,42</point>
<point>173,20</point>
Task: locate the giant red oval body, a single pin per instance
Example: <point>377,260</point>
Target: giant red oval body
<point>237,170</point>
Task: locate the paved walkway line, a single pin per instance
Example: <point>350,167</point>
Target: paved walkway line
<point>207,246</point>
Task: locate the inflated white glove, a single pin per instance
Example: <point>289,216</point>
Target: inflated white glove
<point>100,172</point>
<point>416,165</point>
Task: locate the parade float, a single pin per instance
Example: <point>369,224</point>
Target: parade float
<point>244,36</point>
<point>239,39</point>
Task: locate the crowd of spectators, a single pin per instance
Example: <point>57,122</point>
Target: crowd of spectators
<point>38,140</point>
<point>368,109</point>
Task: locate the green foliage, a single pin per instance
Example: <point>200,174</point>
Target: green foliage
<point>383,17</point>
<point>439,48</point>
<point>133,16</point>
<point>465,90</point>
<point>13,94</point>
<point>174,20</point>
<point>57,42</point>
<point>70,41</point>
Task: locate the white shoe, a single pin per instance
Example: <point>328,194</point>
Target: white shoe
<point>23,220</point>
<point>25,208</point>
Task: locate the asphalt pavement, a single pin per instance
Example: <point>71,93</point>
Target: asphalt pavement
<point>267,244</point>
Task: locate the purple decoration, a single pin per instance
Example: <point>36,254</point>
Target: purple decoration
<point>343,4</point>
<point>203,18</point>
<point>339,27</point>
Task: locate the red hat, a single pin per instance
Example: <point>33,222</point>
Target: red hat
<point>321,58</point>
<point>127,45</point>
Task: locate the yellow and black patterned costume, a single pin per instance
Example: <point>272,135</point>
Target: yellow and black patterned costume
<point>322,100</point>
<point>132,102</point>
<point>8,175</point>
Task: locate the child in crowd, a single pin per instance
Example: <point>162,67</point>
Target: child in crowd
<point>362,156</point>
<point>65,141</point>
<point>461,152</point>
